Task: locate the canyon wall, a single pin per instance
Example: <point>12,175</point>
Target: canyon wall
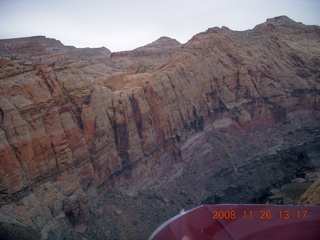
<point>77,123</point>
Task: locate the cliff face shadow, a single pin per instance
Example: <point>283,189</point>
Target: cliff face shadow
<point>268,171</point>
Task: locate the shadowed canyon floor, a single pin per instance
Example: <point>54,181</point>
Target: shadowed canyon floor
<point>101,145</point>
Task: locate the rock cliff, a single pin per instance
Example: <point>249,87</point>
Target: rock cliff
<point>146,58</point>
<point>312,195</point>
<point>87,135</point>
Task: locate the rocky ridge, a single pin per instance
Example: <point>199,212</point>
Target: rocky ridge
<point>147,58</point>
<point>30,46</point>
<point>85,134</point>
<point>312,195</point>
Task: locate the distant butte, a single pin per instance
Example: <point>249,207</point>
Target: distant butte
<point>101,145</point>
<point>146,58</point>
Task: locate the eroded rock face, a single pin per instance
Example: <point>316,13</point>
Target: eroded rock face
<point>149,57</point>
<point>312,195</point>
<point>75,123</point>
<point>31,46</point>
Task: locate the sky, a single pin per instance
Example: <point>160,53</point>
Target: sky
<point>127,24</point>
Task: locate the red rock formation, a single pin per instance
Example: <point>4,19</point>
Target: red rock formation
<point>312,195</point>
<point>76,122</point>
<point>147,58</point>
<point>29,46</point>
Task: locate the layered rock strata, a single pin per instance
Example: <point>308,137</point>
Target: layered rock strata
<point>75,123</point>
<point>312,195</point>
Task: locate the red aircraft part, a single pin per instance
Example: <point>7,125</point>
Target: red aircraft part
<point>247,222</point>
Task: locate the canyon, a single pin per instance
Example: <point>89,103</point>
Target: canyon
<point>102,145</point>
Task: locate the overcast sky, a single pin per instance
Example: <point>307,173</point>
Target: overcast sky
<point>128,24</point>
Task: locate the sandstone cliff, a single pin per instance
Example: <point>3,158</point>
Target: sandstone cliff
<point>31,46</point>
<point>312,195</point>
<point>77,123</point>
<point>146,58</point>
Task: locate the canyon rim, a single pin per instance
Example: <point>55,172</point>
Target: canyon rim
<point>101,145</point>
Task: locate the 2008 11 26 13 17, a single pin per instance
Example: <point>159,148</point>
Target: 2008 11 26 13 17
<point>261,214</point>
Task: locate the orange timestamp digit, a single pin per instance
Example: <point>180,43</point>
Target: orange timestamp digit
<point>232,214</point>
<point>262,214</point>
<point>285,214</point>
<point>265,214</point>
